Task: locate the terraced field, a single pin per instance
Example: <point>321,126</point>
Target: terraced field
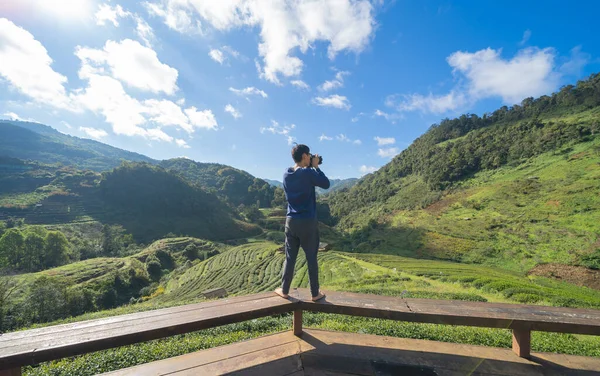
<point>257,266</point>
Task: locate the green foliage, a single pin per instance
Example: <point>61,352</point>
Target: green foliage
<point>276,236</point>
<point>591,260</point>
<point>456,149</point>
<point>151,202</point>
<point>154,268</point>
<point>57,249</point>
<point>232,185</point>
<point>11,248</point>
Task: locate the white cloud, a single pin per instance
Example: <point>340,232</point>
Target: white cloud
<point>575,64</point>
<point>131,63</point>
<point>326,138</point>
<point>107,13</point>
<point>93,132</point>
<point>336,83</point>
<point>436,104</point>
<point>300,84</point>
<point>248,91</point>
<point>128,116</point>
<point>25,65</point>
<point>526,36</point>
<point>357,117</point>
<point>387,152</point>
<point>14,116</point>
<point>111,14</point>
<point>217,56</point>
<point>387,116</point>
<point>167,113</point>
<point>284,26</point>
<point>529,74</point>
<point>106,96</point>
<point>283,130</point>
<point>235,113</point>
<point>144,31</point>
<point>342,137</point>
<point>367,169</point>
<point>381,141</point>
<point>182,144</point>
<point>175,16</point>
<point>336,101</point>
<point>202,119</point>
<point>66,124</point>
<point>231,52</point>
<point>157,134</point>
<point>485,74</point>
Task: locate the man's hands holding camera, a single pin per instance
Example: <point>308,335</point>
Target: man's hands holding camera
<point>314,161</point>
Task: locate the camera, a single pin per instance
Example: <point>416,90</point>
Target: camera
<point>311,159</point>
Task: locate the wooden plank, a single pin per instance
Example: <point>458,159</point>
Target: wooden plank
<point>492,315</point>
<point>521,342</point>
<point>281,360</point>
<point>445,358</point>
<point>132,325</point>
<point>11,372</point>
<point>30,351</point>
<point>60,329</point>
<point>297,322</point>
<point>216,354</point>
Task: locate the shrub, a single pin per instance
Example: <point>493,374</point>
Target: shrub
<point>526,298</point>
<point>154,268</point>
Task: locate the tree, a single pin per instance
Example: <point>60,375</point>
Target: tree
<point>46,300</point>
<point>154,267</point>
<point>33,252</point>
<point>11,248</point>
<point>57,249</point>
<point>7,287</point>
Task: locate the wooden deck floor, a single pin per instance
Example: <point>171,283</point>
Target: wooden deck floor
<point>320,352</point>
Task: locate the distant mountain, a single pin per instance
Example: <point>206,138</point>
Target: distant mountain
<point>230,184</point>
<point>336,185</point>
<point>33,141</point>
<point>147,200</point>
<point>274,183</point>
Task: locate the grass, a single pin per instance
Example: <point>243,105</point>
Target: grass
<point>545,210</point>
<point>255,267</point>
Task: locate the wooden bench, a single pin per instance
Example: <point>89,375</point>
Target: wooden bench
<point>38,345</point>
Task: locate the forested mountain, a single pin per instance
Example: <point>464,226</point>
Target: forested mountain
<point>33,141</point>
<point>336,185</point>
<point>230,184</point>
<point>469,180</point>
<point>146,200</point>
<point>274,183</point>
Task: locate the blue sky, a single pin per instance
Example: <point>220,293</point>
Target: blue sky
<point>235,82</point>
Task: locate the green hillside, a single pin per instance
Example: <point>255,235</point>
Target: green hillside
<point>232,185</point>
<point>514,188</point>
<point>146,200</point>
<point>33,141</point>
<point>256,267</point>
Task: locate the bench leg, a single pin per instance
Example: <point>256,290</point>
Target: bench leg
<point>521,343</point>
<point>298,322</point>
<point>11,372</point>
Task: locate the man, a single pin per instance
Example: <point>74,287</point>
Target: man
<point>301,225</point>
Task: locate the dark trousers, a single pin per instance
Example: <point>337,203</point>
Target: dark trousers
<point>301,232</point>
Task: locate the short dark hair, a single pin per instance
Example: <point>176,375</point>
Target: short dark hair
<point>298,151</point>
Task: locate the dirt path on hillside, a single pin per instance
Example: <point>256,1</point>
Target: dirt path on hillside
<point>577,275</point>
